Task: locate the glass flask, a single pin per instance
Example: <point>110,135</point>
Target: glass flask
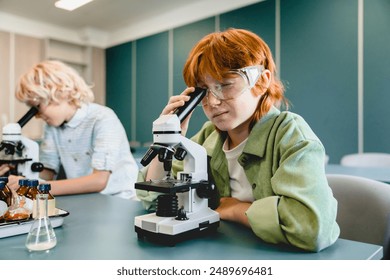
<point>4,195</point>
<point>4,201</point>
<point>41,236</point>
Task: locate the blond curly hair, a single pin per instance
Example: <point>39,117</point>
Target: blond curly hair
<point>51,81</point>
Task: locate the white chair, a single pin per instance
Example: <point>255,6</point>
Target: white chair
<point>326,159</point>
<point>363,209</point>
<point>366,160</point>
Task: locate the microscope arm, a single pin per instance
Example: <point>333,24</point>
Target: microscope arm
<point>195,162</point>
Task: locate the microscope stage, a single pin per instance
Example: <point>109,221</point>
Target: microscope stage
<point>14,161</point>
<point>168,186</point>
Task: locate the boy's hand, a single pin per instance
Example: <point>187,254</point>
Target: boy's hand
<point>232,209</point>
<point>177,101</point>
<point>4,168</point>
<point>13,181</point>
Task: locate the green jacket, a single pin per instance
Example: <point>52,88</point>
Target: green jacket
<point>284,162</point>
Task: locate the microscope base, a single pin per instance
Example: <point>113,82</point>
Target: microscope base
<point>172,240</point>
<point>169,231</point>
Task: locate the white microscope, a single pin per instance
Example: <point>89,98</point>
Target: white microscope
<point>182,210</point>
<point>19,152</point>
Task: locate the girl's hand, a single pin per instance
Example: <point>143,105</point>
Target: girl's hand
<point>177,101</point>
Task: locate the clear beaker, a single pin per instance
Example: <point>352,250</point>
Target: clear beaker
<point>41,236</point>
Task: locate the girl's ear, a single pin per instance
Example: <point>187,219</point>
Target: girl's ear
<point>266,76</point>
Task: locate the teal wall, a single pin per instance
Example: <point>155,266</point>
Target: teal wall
<point>151,82</point>
<point>318,58</point>
<point>258,18</point>
<point>377,76</point>
<point>319,67</point>
<point>118,82</point>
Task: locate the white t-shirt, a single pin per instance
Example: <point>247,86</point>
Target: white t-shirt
<point>239,184</point>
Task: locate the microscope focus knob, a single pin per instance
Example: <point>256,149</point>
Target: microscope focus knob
<point>20,146</point>
<point>180,153</point>
<point>205,190</point>
<point>181,215</point>
<point>36,167</point>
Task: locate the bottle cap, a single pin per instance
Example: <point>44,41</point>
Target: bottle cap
<point>4,179</point>
<point>23,182</point>
<point>33,183</point>
<point>44,187</point>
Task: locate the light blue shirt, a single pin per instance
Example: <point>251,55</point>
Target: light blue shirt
<point>93,139</point>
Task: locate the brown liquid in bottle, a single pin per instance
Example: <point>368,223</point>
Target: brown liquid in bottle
<point>33,189</point>
<point>6,188</point>
<point>3,195</point>
<point>23,187</point>
<point>31,195</point>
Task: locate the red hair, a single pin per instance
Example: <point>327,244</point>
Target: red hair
<point>219,52</point>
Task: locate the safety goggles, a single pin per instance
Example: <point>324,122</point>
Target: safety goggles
<point>236,82</point>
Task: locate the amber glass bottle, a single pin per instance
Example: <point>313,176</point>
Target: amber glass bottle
<point>33,189</point>
<point>23,187</point>
<point>6,188</point>
<point>31,195</point>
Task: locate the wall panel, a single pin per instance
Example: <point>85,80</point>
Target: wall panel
<point>258,18</point>
<point>319,68</point>
<point>376,76</point>
<point>28,52</point>
<point>98,69</point>
<point>118,83</point>
<point>5,63</point>
<point>152,82</point>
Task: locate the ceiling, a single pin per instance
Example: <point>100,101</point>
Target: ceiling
<point>104,23</point>
<point>105,15</point>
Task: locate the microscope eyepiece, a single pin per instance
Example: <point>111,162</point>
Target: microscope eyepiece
<point>28,116</point>
<point>195,98</point>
